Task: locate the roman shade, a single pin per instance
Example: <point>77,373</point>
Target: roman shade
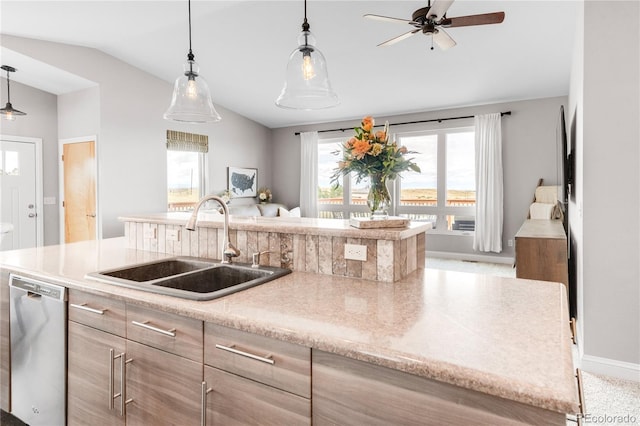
<point>183,141</point>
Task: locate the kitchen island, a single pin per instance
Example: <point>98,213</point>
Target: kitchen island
<point>482,344</point>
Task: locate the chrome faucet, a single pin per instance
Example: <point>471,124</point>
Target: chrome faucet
<point>228,249</point>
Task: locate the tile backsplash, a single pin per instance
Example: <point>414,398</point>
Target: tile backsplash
<point>387,260</point>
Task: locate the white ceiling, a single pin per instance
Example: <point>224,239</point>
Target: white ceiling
<point>243,46</point>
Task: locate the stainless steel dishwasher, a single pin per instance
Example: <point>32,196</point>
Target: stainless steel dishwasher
<point>38,351</point>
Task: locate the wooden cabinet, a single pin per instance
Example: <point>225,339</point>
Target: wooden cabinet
<point>255,380</point>
<point>88,378</point>
<point>350,392</point>
<point>163,388</point>
<point>161,354</point>
<point>541,251</point>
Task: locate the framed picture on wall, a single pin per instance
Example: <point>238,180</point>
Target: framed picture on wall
<point>242,182</point>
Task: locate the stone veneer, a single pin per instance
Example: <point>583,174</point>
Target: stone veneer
<point>312,251</point>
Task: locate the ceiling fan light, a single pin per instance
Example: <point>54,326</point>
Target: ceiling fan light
<point>191,101</point>
<point>307,85</point>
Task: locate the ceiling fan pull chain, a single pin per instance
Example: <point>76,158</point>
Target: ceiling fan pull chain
<point>432,42</point>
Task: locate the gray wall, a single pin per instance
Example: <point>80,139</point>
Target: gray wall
<point>604,220</point>
<point>131,132</point>
<point>40,122</point>
<point>529,153</point>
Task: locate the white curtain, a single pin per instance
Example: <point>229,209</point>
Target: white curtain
<point>489,189</point>
<point>309,174</point>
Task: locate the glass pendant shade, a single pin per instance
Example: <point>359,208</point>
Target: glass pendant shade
<point>9,112</point>
<point>307,85</point>
<point>191,101</point>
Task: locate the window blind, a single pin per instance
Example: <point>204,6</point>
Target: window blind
<point>183,141</point>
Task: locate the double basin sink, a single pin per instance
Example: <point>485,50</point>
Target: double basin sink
<point>189,277</point>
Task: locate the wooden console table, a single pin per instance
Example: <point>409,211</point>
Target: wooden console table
<point>541,251</point>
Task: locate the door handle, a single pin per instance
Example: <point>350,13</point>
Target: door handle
<point>30,206</point>
<point>32,214</point>
<point>91,215</point>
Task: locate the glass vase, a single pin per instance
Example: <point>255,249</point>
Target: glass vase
<point>378,200</point>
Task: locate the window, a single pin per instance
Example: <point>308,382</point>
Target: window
<point>443,193</point>
<point>350,198</point>
<point>445,190</point>
<point>186,156</point>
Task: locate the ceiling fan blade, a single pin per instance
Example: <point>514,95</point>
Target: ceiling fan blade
<point>465,21</point>
<point>439,8</point>
<point>399,38</point>
<point>443,39</point>
<point>387,19</point>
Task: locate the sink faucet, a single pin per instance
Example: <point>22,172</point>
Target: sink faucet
<point>228,249</point>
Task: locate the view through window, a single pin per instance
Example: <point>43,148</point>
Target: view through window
<point>443,193</point>
<point>184,179</point>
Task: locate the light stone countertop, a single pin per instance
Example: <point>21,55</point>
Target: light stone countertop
<point>502,336</point>
<point>291,225</point>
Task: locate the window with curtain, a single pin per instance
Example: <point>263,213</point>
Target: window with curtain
<point>186,157</point>
<point>444,192</point>
<point>350,198</point>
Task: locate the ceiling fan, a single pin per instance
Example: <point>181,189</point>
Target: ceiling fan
<point>432,20</point>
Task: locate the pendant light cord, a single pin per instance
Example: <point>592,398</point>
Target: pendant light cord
<point>190,55</point>
<point>8,88</point>
<point>305,24</point>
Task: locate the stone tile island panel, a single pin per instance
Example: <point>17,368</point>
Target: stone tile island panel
<point>299,244</point>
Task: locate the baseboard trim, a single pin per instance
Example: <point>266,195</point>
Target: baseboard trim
<point>471,257</point>
<point>611,367</point>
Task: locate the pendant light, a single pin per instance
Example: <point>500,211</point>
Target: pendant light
<point>8,112</point>
<point>307,85</point>
<point>191,101</point>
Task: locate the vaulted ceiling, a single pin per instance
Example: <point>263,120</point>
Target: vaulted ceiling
<point>243,46</point>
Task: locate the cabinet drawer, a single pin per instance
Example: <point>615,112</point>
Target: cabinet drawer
<point>234,400</point>
<point>172,333</point>
<point>98,312</point>
<point>279,364</point>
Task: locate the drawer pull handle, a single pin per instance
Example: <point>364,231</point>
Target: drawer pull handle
<point>203,406</point>
<point>266,359</point>
<point>583,408</point>
<point>84,307</point>
<point>145,324</point>
<point>573,329</point>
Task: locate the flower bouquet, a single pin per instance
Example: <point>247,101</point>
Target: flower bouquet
<point>371,154</point>
<point>264,195</point>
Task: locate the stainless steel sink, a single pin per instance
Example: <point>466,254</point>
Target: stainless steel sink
<point>189,277</point>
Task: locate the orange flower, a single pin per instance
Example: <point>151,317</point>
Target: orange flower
<point>367,123</point>
<point>360,148</point>
<point>349,144</point>
<point>381,135</point>
<point>402,150</point>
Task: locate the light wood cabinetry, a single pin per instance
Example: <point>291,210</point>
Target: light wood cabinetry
<point>255,380</point>
<point>161,354</point>
<point>163,388</point>
<point>88,376</point>
<point>541,251</point>
<point>350,392</point>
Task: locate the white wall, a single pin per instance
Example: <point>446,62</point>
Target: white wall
<point>529,153</point>
<point>40,122</point>
<point>609,135</point>
<point>132,154</point>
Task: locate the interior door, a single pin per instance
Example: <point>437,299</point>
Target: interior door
<point>18,223</point>
<point>79,162</point>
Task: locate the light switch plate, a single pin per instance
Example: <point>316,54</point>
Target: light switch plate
<point>355,252</point>
<point>49,201</point>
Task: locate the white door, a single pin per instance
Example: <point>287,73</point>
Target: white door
<point>18,212</point>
